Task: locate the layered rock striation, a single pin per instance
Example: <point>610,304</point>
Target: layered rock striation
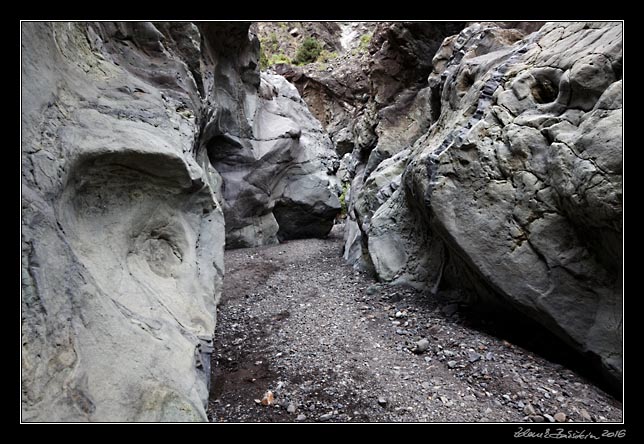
<point>122,225</point>
<point>138,141</point>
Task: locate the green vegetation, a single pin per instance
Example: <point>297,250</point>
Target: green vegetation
<point>272,60</point>
<point>365,39</point>
<point>308,51</point>
<point>268,52</point>
<point>275,44</point>
<point>326,56</point>
<point>363,46</point>
<point>277,59</point>
<point>343,198</point>
<point>323,59</point>
<point>263,60</point>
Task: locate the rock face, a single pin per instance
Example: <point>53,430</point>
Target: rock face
<point>122,229</point>
<point>514,191</point>
<point>123,212</point>
<point>277,166</point>
<point>372,102</point>
<point>384,64</point>
<point>284,38</point>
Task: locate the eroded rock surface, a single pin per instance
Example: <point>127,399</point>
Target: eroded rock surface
<point>514,192</point>
<point>381,65</point>
<point>123,212</point>
<point>373,101</point>
<point>277,167</point>
<point>122,228</point>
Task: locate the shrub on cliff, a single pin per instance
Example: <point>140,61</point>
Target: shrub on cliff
<point>308,52</point>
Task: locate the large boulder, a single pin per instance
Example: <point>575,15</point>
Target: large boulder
<point>517,184</point>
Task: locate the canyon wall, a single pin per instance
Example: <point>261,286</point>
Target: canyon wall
<point>505,182</point>
<point>146,149</point>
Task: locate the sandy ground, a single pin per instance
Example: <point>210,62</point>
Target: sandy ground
<point>333,345</point>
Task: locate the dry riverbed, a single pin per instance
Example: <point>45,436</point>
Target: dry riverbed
<point>333,345</point>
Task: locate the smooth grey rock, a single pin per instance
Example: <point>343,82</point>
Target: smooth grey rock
<point>560,417</point>
<point>306,207</point>
<point>137,139</point>
<point>560,240</point>
<point>373,106</point>
<point>421,346</point>
<point>549,417</point>
<point>397,257</point>
<point>276,165</point>
<point>122,224</point>
<point>529,410</point>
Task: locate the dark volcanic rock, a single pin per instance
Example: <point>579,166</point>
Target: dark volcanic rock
<point>388,70</point>
<point>402,55</point>
<point>374,104</point>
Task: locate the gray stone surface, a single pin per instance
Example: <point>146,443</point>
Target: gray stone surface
<point>514,192</point>
<point>373,101</point>
<point>277,166</point>
<point>123,212</point>
<point>122,227</point>
<point>372,85</point>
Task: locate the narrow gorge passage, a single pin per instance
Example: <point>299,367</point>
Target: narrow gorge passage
<point>480,160</point>
<point>334,345</point>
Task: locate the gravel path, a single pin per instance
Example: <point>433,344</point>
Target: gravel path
<point>333,345</point>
